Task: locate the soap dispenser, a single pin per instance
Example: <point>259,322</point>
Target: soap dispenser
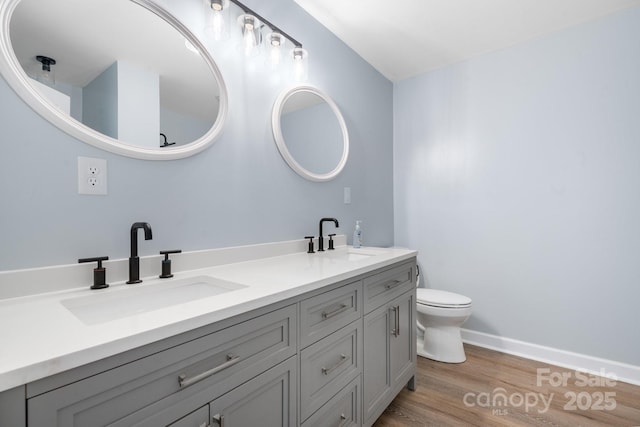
<point>357,235</point>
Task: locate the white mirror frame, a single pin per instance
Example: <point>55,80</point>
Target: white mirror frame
<point>282,145</point>
<point>19,81</point>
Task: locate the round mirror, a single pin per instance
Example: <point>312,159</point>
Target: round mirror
<point>122,75</point>
<point>310,133</point>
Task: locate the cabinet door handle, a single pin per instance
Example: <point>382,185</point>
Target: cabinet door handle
<point>343,420</point>
<point>186,382</point>
<point>396,320</point>
<point>218,419</point>
<point>392,284</point>
<point>327,315</point>
<point>343,358</point>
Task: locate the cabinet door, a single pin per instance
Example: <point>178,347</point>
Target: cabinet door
<point>389,353</point>
<point>268,400</point>
<point>376,378</point>
<point>403,339</point>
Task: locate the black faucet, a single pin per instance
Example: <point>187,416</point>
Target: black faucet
<point>134,261</point>
<point>320,237</point>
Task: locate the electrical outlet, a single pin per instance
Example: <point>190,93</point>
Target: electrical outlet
<point>92,176</point>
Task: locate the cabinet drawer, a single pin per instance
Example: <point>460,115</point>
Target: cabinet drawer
<point>199,418</point>
<point>388,284</point>
<point>326,313</point>
<point>327,366</point>
<point>222,359</point>
<point>343,410</point>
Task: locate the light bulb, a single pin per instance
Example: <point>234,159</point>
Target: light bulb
<point>300,57</point>
<point>276,40</point>
<point>216,17</point>
<point>218,27</point>
<point>250,34</point>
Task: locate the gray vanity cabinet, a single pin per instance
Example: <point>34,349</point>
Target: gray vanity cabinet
<point>389,339</point>
<point>333,357</point>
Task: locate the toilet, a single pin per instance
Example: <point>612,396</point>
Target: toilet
<point>439,317</point>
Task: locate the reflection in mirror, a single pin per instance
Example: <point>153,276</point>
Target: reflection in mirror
<point>126,69</point>
<point>310,133</point>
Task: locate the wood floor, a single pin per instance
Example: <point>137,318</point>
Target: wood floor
<point>497,389</point>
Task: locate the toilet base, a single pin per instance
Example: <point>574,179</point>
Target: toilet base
<point>443,344</point>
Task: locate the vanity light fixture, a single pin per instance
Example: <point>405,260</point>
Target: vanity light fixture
<point>251,25</point>
<point>46,75</point>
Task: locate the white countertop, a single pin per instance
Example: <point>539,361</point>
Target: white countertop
<point>41,337</point>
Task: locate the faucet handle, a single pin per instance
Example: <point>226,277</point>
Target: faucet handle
<point>310,250</point>
<point>99,273</point>
<point>331,241</point>
<point>166,263</point>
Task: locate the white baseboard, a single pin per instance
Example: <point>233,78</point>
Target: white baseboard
<point>553,356</point>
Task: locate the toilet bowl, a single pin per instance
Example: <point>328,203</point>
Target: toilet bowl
<point>439,317</point>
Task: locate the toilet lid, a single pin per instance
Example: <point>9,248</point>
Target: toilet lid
<point>438,298</point>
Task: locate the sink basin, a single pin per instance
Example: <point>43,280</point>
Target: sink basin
<point>350,255</point>
<point>124,302</point>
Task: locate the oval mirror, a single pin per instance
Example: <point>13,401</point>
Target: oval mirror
<point>310,133</point>
<point>128,77</point>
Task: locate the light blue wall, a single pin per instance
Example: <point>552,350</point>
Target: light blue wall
<point>239,191</point>
<point>517,178</point>
<point>100,102</point>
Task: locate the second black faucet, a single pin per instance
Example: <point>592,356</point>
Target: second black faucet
<point>320,237</point>
<point>134,260</point>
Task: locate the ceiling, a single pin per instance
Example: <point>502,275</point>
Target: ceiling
<point>404,38</point>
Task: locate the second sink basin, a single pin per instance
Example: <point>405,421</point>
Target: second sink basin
<point>125,302</point>
<point>349,255</point>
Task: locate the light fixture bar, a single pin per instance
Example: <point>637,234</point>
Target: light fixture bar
<point>248,11</point>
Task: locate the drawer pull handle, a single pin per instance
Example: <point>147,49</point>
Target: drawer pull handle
<point>328,315</point>
<point>392,284</point>
<point>327,371</point>
<point>343,420</point>
<point>186,382</point>
<point>219,419</point>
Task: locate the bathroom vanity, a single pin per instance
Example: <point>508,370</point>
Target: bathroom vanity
<point>325,339</point>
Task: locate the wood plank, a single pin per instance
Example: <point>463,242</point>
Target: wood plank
<point>468,394</point>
